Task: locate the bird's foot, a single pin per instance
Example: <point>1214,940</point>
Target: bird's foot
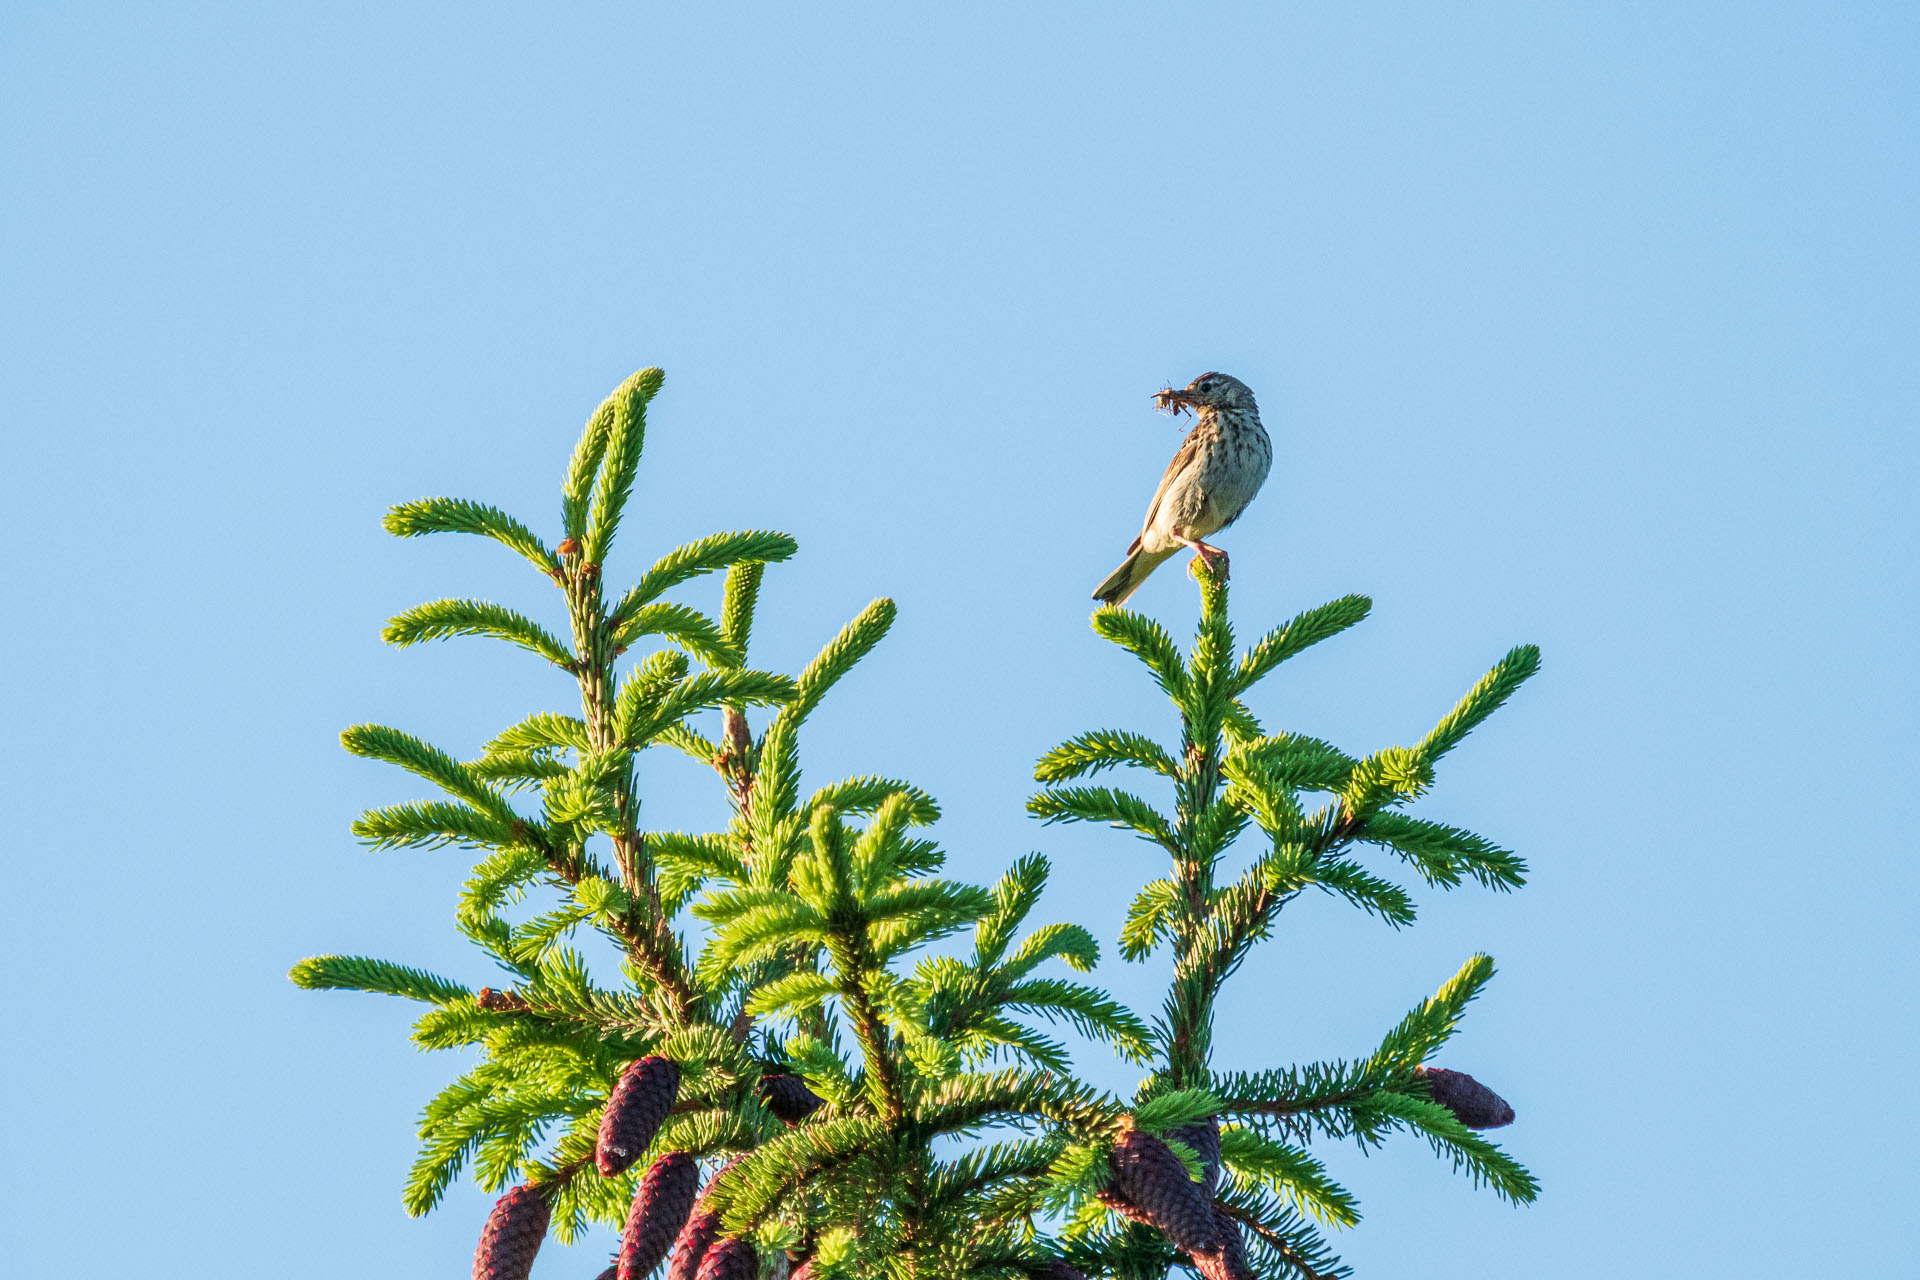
<point>1213,557</point>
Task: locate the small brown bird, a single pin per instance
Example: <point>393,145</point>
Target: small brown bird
<point>1219,467</point>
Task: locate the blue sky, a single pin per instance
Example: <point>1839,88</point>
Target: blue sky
<point>1591,325</point>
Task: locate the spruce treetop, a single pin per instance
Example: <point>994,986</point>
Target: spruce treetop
<point>776,1075</point>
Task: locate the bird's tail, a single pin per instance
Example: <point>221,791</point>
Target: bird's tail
<point>1133,571</point>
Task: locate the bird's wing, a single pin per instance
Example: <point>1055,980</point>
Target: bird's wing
<point>1182,458</point>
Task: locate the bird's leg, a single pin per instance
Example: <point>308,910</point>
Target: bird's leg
<point>1215,558</point>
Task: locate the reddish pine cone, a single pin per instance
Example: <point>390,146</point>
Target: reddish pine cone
<point>702,1229</point>
<point>803,1271</point>
<point>1472,1103</point>
<point>1152,1179</point>
<point>512,1236</point>
<point>789,1098</point>
<point>730,1260</point>
<point>611,1273</point>
<point>1204,1138</point>
<point>691,1246</point>
<point>639,1105</point>
<point>1229,1261</point>
<point>660,1209</point>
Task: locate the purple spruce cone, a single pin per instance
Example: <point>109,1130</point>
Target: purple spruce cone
<point>639,1105</point>
<point>1472,1103</point>
<point>512,1235</point>
<point>1152,1179</point>
<point>789,1098</point>
<point>730,1260</point>
<point>1204,1138</point>
<point>1058,1270</point>
<point>1229,1261</point>
<point>660,1209</point>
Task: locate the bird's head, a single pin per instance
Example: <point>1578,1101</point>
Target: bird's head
<point>1208,391</point>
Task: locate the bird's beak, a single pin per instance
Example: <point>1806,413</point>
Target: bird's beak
<point>1173,398</point>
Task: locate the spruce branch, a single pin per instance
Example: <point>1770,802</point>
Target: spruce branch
<point>1104,804</point>
<point>1485,698</point>
<point>517,767</point>
<point>1291,1173</point>
<point>1013,897</point>
<point>864,795</point>
<point>543,730</point>
<point>855,641</point>
<point>440,619</point>
<point>1309,629</point>
<point>1483,1162</point>
<point>625,436</point>
<point>457,515</point>
<point>1445,855</point>
<point>745,555</point>
<point>1069,942</point>
<point>742,593</point>
<point>1150,919</point>
<point>1148,641</point>
<point>1103,749</point>
<point>1420,1034</point>
<point>378,742</point>
<point>584,466</point>
<point>684,626</point>
<point>431,824</point>
<point>360,973</point>
<point>1284,1243</point>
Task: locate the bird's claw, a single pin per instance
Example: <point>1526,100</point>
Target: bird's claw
<point>1213,557</point>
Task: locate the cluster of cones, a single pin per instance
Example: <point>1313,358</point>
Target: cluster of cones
<point>670,1215</point>
<point>1151,1185</point>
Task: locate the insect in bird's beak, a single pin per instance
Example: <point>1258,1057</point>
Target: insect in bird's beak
<point>1173,400</point>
